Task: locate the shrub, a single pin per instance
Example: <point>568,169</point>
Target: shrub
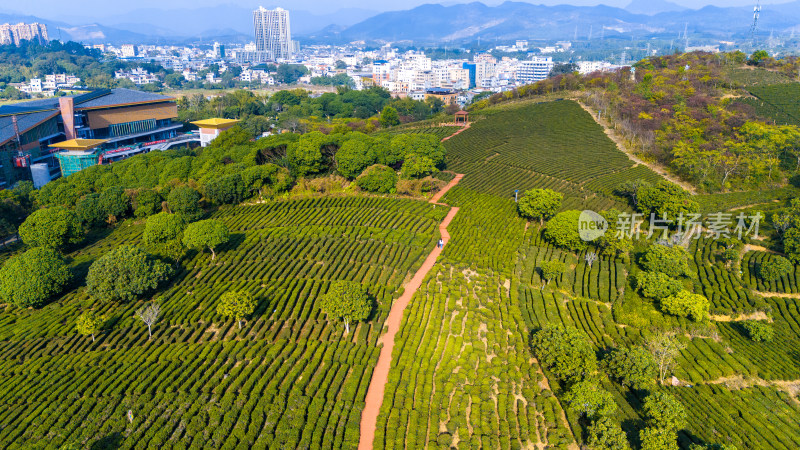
<point>687,304</point>
<point>774,268</point>
<point>671,261</point>
<point>566,351</point>
<point>657,285</point>
<point>635,367</point>
<point>562,230</point>
<point>377,178</point>
<point>758,331</point>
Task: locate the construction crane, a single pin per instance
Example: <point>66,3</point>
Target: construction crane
<point>754,27</point>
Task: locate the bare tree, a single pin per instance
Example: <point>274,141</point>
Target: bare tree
<point>665,349</point>
<point>149,315</point>
<point>590,258</point>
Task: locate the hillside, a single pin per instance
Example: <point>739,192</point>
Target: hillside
<point>522,334</point>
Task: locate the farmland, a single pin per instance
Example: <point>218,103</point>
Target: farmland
<point>288,378</point>
<point>464,370</point>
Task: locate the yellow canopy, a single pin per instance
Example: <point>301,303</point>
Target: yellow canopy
<point>78,144</point>
<point>216,123</point>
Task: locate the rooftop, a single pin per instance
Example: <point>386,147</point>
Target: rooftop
<point>78,144</point>
<point>215,123</point>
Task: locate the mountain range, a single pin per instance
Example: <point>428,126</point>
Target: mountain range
<point>432,23</point>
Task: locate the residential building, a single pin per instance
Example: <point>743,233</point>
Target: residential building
<point>536,69</point>
<point>129,51</point>
<point>272,32</point>
<point>14,34</point>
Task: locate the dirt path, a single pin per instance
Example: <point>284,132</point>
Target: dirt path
<point>377,385</point>
<point>624,149</point>
<point>459,131</point>
<point>440,194</point>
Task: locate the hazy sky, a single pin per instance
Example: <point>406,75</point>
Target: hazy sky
<point>52,9</point>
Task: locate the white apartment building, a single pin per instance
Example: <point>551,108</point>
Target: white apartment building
<point>128,51</point>
<point>272,33</point>
<point>536,69</point>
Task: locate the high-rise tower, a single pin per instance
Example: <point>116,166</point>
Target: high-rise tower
<point>272,32</point>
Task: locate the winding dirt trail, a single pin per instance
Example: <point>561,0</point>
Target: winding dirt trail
<point>377,385</point>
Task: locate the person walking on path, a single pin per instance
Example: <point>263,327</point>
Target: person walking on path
<point>441,243</point>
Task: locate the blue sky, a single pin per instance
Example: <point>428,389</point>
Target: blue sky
<point>97,9</point>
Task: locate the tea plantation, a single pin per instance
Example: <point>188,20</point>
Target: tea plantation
<point>471,366</point>
<point>287,379</point>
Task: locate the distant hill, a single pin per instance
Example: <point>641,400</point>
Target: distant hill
<point>652,7</point>
<point>433,23</point>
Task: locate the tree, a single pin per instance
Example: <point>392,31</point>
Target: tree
<point>185,201</point>
<point>588,399</point>
<point>757,57</point>
<point>149,315</point>
<point>671,261</point>
<point>563,69</point>
<point>606,434</point>
<point>565,351</point>
<point>687,304</point>
<point>663,411</point>
<point>665,349</point>
<point>348,301</point>
<point>236,305</point>
<point>355,155</point>
<point>209,233</point>
<point>633,366</point>
<point>758,331</point>
<point>389,117</point>
<point>290,73</point>
<point>54,227</point>
<point>657,285</point>
<point>562,230</point>
<point>539,204</point>
<point>774,268</point>
<point>124,273</point>
<point>163,227</point>
<point>377,178</point>
<point>305,155</point>
<point>791,244</point>
<point>227,189</point>
<point>89,323</point>
<point>114,202</point>
<point>665,199</point>
<point>551,269</point>
<point>631,189</point>
<point>417,166</point>
<point>339,64</point>
<point>30,279</point>
<point>89,210</point>
<point>657,439</point>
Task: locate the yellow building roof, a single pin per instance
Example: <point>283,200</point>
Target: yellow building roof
<point>78,144</point>
<point>216,123</point>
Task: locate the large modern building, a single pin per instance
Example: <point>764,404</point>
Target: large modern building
<point>536,69</point>
<point>14,34</point>
<point>272,33</point>
<point>119,121</point>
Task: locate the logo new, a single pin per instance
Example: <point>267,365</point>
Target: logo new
<point>591,225</point>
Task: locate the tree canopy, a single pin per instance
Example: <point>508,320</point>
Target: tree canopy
<point>671,261</point>
<point>633,366</point>
<point>163,227</point>
<point>209,233</point>
<point>236,305</point>
<point>539,204</point>
<point>566,351</point>
<point>124,273</point>
<point>346,301</point>
<point>687,304</point>
<point>33,277</point>
<point>54,227</point>
<point>562,230</point>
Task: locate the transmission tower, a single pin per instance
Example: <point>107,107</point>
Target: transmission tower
<point>754,27</point>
